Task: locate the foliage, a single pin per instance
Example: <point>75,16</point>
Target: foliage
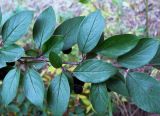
<point>106,64</point>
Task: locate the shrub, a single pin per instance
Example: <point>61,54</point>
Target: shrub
<point>108,64</point>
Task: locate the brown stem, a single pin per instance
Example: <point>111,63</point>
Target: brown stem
<point>42,59</point>
<point>135,112</point>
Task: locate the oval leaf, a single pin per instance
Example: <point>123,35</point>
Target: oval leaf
<point>69,29</point>
<point>144,91</point>
<point>11,53</point>
<point>94,71</point>
<point>92,54</point>
<point>156,60</point>
<point>54,44</point>
<point>69,76</point>
<point>99,97</point>
<point>141,54</point>
<point>2,64</point>
<point>117,84</point>
<point>34,87</point>
<point>58,95</point>
<point>117,45</point>
<point>90,31</point>
<point>10,86</point>
<point>44,27</point>
<point>16,26</point>
<point>55,60</point>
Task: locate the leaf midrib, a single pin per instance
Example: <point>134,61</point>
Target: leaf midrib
<point>89,32</point>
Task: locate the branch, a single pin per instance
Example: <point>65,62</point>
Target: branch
<point>42,59</point>
<point>72,63</point>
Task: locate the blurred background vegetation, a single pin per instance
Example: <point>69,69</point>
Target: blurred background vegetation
<point>140,17</point>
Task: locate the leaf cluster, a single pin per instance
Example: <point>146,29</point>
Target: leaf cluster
<point>106,63</point>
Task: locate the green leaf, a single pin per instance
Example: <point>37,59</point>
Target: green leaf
<point>69,76</point>
<point>144,91</point>
<point>92,54</point>
<point>44,27</point>
<point>117,84</point>
<point>16,26</point>
<point>2,64</point>
<point>10,86</point>
<point>55,60</point>
<point>58,95</point>
<point>142,54</point>
<point>55,44</point>
<point>34,87</point>
<point>90,31</point>
<point>117,45</point>
<point>99,97</point>
<point>156,60</point>
<point>94,71</point>
<point>32,52</point>
<point>11,53</point>
<point>102,38</point>
<point>69,29</point>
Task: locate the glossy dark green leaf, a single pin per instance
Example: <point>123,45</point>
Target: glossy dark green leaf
<point>11,53</point>
<point>99,97</point>
<point>2,64</point>
<point>117,84</point>
<point>90,31</point>
<point>142,54</point>
<point>55,60</point>
<point>117,45</point>
<point>70,79</point>
<point>34,87</point>
<point>102,38</point>
<point>10,86</point>
<point>32,52</point>
<point>16,26</point>
<point>69,30</point>
<point>156,60</point>
<point>58,95</point>
<point>55,44</point>
<point>92,54</point>
<point>44,27</point>
<point>94,71</point>
<point>144,91</point>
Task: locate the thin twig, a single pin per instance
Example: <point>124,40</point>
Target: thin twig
<point>123,105</point>
<point>41,59</point>
<point>72,63</point>
<point>135,112</point>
